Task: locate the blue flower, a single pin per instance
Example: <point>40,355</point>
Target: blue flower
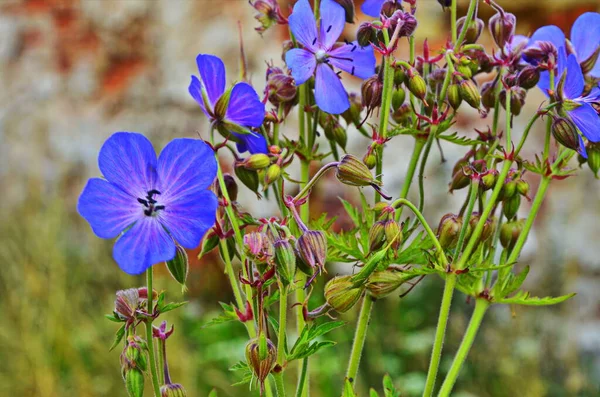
<point>585,40</point>
<point>321,53</point>
<point>372,8</point>
<point>152,202</point>
<point>571,87</point>
<point>237,109</point>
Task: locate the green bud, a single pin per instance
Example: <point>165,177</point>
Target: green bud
<point>528,77</point>
<point>261,364</point>
<point>449,230</point>
<point>522,187</point>
<point>393,234</point>
<point>454,97</point>
<point>339,136</point>
<point>474,29</point>
<point>565,133</point>
<point>376,236</point>
<point>510,206</point>
<point>459,180</point>
<point>509,189</point>
<point>381,284</point>
<point>351,171</point>
<point>273,173</point>
<point>172,390</point>
<point>257,162</point>
<point>285,261</point>
<point>340,293</point>
<point>398,98</point>
<point>416,84</point>
<point>464,70</point>
<point>488,94</point>
<point>510,232</point>
<point>134,382</point>
<point>399,76</point>
<point>179,265</point>
<point>593,152</point>
<point>370,160</point>
<point>488,181</point>
<point>470,93</point>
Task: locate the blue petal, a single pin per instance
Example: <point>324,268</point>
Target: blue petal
<point>582,151</point>
<point>142,246</point>
<point>354,59</point>
<point>107,208</point>
<point>185,165</point>
<point>544,83</point>
<point>212,74</point>
<point>302,63</point>
<point>195,90</point>
<point>190,216</point>
<point>333,19</point>
<point>254,143</point>
<point>128,160</point>
<point>330,95</point>
<point>302,24</point>
<point>550,33</point>
<point>585,35</point>
<point>372,8</point>
<point>575,82</point>
<point>587,120</point>
<point>245,108</point>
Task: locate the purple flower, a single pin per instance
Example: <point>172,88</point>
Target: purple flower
<point>151,202</point>
<point>372,8</point>
<point>584,43</point>
<point>234,111</point>
<point>321,53</point>
<point>579,108</point>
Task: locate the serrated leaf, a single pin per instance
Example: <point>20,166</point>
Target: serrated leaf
<point>227,316</point>
<point>118,337</point>
<point>369,267</point>
<point>171,306</point>
<point>513,282</point>
<point>240,366</point>
<point>459,140</point>
<point>352,212</point>
<point>303,346</point>
<point>523,298</point>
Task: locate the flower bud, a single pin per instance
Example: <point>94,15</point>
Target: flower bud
<point>470,93</point>
<point>268,14</point>
<point>511,205</point>
<point>510,232</point>
<point>230,185</point>
<point>502,27</point>
<point>398,98</point>
<point>406,19</point>
<point>593,152</point>
<point>172,390</point>
<point>285,261</point>
<point>370,160</point>
<point>366,34</point>
<point>488,181</point>
<point>337,134</point>
<point>134,354</point>
<point>399,76</point>
<point>179,265</point>
<point>517,99</point>
<point>273,173</point>
<point>256,162</point>
<point>473,30</point>
<point>280,88</point>
<point>403,114</point>
<point>312,248</point>
<point>393,234</point>
<point>528,77</point>
<point>565,133</point>
<point>376,236</point>
<point>488,94</point>
<point>522,187</point>
<point>134,382</point>
<point>351,171</point>
<point>416,84</point>
<point>341,294</point>
<point>459,180</point>
<point>248,177</point>
<point>258,247</point>
<point>352,115</point>
<point>261,355</point>
<point>509,189</point>
<point>449,230</point>
<point>381,284</point>
<point>454,97</point>
<point>372,91</point>
<point>541,52</point>
<point>489,227</point>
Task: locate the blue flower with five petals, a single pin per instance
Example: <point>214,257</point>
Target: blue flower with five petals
<point>152,202</point>
<point>322,54</point>
<point>372,8</point>
<point>238,109</point>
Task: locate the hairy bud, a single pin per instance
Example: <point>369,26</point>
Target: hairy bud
<point>172,390</point>
<point>473,30</point>
<point>381,284</point>
<point>312,248</point>
<point>470,93</point>
<point>449,230</point>
<point>285,261</point>
<point>502,27</point>
<point>352,171</point>
<point>261,355</point>
<point>372,91</point>
<point>528,77</point>
<point>565,133</point>
<point>416,84</point>
<point>366,34</point>
<point>272,174</point>
<point>134,382</point>
<point>256,162</point>
<point>280,88</point>
<point>341,294</point>
<point>179,266</point>
<point>454,97</point>
<point>510,232</point>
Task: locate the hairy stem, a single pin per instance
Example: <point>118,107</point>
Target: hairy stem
<point>151,355</point>
<point>359,338</point>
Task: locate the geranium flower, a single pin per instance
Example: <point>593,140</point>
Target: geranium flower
<point>584,43</point>
<point>372,8</point>
<point>571,86</point>
<point>233,112</point>
<point>152,203</point>
<point>322,54</point>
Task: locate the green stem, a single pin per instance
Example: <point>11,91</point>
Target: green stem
<point>548,124</point>
<point>453,19</point>
<point>412,166</point>
<point>467,216</point>
<point>468,19</point>
<point>149,339</point>
<point>359,338</point>
<point>302,378</point>
<point>279,384</point>
<point>481,306</point>
<point>276,126</point>
<point>281,339</point>
<point>430,140</point>
<point>440,333</point>
<point>447,76</point>
<point>314,179</point>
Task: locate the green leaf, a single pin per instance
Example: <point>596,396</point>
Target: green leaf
<point>303,346</point>
<point>373,393</point>
<point>213,393</point>
<point>348,390</point>
<point>459,140</point>
<point>389,390</point>
<point>118,337</point>
<point>513,282</point>
<point>113,317</point>
<point>171,306</point>
<point>228,315</point>
<point>523,298</point>
<point>353,213</point>
<point>369,267</point>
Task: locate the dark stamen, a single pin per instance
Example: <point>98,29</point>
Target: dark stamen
<point>314,41</point>
<point>339,72</point>
<point>159,207</point>
<point>353,48</point>
<point>153,192</point>
<point>148,212</point>
<point>329,28</point>
<point>352,73</point>
<point>346,41</point>
<point>142,201</point>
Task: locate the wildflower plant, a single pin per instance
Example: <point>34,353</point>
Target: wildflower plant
<point>159,207</point>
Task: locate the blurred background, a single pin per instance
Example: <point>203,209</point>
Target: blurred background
<point>73,72</point>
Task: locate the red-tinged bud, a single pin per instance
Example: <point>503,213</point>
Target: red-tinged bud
<point>246,315</point>
<point>565,133</point>
<point>593,161</point>
<point>398,98</point>
<point>416,84</point>
<point>127,303</point>
<point>143,292</point>
<point>517,99</point>
<point>522,187</point>
<point>488,181</point>
<point>470,93</point>
<point>381,284</point>
<point>352,171</point>
<point>285,261</point>
<point>172,390</point>
<point>488,94</point>
<point>454,97</point>
<point>341,294</point>
<point>348,6</point>
<point>179,266</point>
<point>261,355</point>
<point>134,382</point>
<point>488,228</point>
<point>502,27</point>
<point>272,174</point>
<point>510,232</point>
<point>449,230</point>
<point>528,77</point>
<point>510,206</point>
<point>366,34</point>
<point>393,234</point>
<point>230,185</point>
<point>459,180</point>
<point>259,247</point>
<point>312,248</point>
<point>389,7</point>
<point>376,236</point>
<point>473,30</point>
<point>256,162</point>
<point>134,354</point>
<point>541,52</point>
<point>280,88</point>
<point>372,91</point>
<point>268,14</point>
<point>509,189</point>
<point>407,21</point>
<point>403,114</point>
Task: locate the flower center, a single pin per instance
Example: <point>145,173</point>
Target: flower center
<point>321,56</point>
<point>149,203</point>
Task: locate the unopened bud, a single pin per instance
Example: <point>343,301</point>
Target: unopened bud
<point>470,93</point>
<point>280,88</point>
<point>179,265</point>
<point>256,162</point>
<point>488,181</point>
<point>406,19</point>
<point>381,284</point>
<point>376,236</point>
<point>502,27</point>
<point>565,133</point>
<point>372,91</point>
<point>528,77</point>
<point>509,189</point>
<point>312,248</point>
<point>134,382</point>
<point>403,114</point>
<point>366,34</point>
<point>231,187</point>
<point>172,390</point>
<point>285,261</point>
<point>273,173</point>
<point>261,355</point>
<point>489,227</point>
<point>522,187</point>
<point>341,294</point>
<point>473,30</point>
<point>370,160</point>
<point>511,205</point>
<point>393,234</point>
<point>517,99</point>
<point>593,152</point>
<point>416,84</point>
<point>352,171</point>
<point>248,177</point>
<point>510,232</point>
<point>454,97</point>
<point>398,98</point>
<point>488,94</point>
<point>352,115</point>
<point>399,76</point>
<point>449,230</point>
<point>459,180</point>
<point>337,134</point>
